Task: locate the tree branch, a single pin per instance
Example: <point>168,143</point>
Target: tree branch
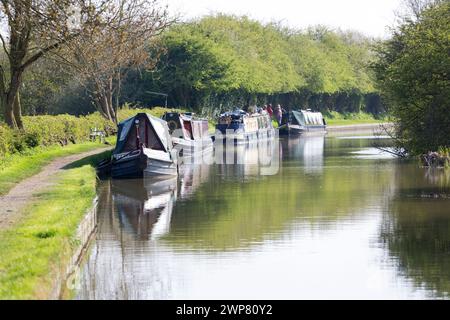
<point>4,46</point>
<point>45,50</point>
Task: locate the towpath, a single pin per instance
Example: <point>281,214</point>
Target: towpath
<point>25,192</point>
<point>356,127</point>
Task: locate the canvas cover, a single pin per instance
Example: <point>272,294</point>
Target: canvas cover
<point>307,118</point>
<point>152,129</point>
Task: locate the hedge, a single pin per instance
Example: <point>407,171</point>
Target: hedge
<point>60,129</point>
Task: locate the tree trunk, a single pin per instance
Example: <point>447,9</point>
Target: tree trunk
<point>109,100</point>
<point>17,111</point>
<point>9,114</point>
<point>13,114</point>
<point>7,109</point>
<point>103,99</point>
<point>99,103</point>
<point>119,89</point>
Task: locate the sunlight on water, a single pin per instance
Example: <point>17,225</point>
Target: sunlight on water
<point>374,153</point>
<point>336,219</point>
<point>362,137</point>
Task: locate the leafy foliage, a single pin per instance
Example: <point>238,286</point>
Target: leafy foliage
<point>413,73</point>
<point>224,60</point>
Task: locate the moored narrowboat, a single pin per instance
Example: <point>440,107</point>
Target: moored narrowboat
<point>303,121</point>
<point>189,134</point>
<point>241,127</point>
<point>144,148</point>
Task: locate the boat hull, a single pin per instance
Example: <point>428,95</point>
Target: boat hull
<point>296,130</point>
<point>158,168</point>
<point>191,148</point>
<point>240,137</point>
<point>127,167</point>
<point>140,165</point>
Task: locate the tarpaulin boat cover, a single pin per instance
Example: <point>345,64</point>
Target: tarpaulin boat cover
<point>151,128</point>
<point>307,118</point>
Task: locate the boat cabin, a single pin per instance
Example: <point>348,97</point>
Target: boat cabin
<point>188,127</point>
<point>142,131</point>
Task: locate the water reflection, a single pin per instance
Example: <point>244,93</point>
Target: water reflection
<point>133,216</point>
<point>192,176</point>
<point>144,207</point>
<point>248,160</point>
<point>235,214</point>
<point>309,150</point>
<point>416,231</point>
<point>325,224</point>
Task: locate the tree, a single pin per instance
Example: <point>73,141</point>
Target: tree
<point>414,78</point>
<point>193,64</point>
<point>35,27</point>
<point>414,8</point>
<point>126,38</point>
<point>223,61</point>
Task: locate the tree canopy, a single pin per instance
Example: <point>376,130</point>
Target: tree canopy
<point>413,75</point>
<point>227,54</point>
<point>219,62</point>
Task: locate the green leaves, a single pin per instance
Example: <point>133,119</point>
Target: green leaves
<point>222,54</point>
<point>412,72</point>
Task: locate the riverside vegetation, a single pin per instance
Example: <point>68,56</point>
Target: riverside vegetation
<point>412,71</point>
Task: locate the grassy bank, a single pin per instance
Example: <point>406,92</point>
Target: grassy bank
<point>343,119</point>
<point>35,250</point>
<point>16,167</point>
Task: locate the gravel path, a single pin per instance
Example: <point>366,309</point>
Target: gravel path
<point>24,193</point>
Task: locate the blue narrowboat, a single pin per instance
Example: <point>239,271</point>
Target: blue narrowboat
<point>241,127</point>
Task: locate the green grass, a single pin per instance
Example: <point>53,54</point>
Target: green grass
<point>341,119</point>
<point>38,247</point>
<point>17,167</point>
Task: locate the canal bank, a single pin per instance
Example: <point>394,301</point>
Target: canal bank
<point>46,221</point>
<point>378,127</point>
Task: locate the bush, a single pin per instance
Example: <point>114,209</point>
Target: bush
<point>127,112</point>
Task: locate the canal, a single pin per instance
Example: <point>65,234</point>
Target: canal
<point>327,217</point>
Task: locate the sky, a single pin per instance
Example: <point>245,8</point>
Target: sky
<point>370,17</point>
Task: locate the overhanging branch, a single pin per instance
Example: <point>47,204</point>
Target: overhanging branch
<point>36,56</point>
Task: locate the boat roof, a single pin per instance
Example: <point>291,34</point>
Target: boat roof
<point>307,117</point>
<point>159,126</point>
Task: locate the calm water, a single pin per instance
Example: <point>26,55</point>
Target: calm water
<point>336,219</point>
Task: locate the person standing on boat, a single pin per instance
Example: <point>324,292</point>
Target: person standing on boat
<point>278,114</point>
<point>270,111</point>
